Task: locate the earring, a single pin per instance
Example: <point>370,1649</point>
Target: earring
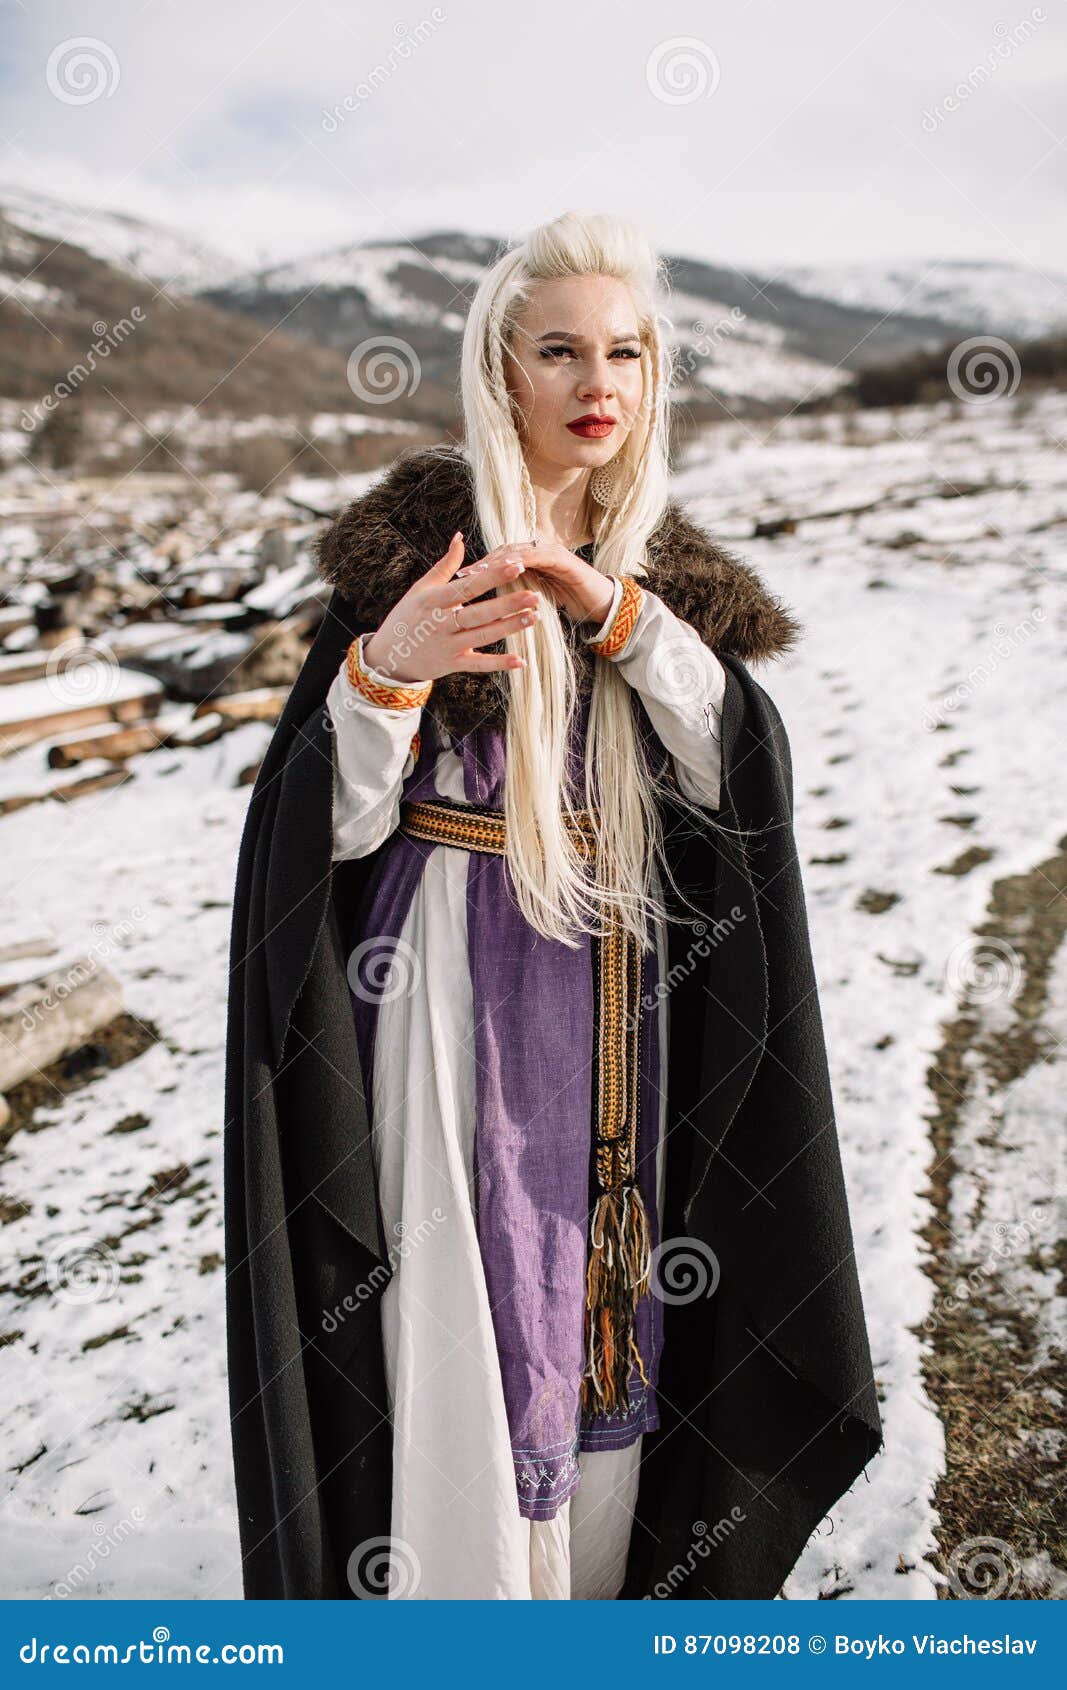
<point>602,485</point>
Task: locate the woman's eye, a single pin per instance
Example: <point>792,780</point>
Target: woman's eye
<point>619,352</point>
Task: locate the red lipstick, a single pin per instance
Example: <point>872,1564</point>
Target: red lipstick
<point>592,427</point>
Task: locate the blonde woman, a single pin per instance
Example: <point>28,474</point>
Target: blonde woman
<point>524,1042</point>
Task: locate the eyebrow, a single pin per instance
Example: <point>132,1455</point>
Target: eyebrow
<point>564,334</point>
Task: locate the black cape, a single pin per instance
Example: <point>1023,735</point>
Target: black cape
<point>769,1410</point>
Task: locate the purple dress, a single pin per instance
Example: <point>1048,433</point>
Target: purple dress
<point>476,1038</point>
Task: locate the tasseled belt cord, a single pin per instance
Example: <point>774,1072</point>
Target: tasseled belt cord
<point>620,1243</point>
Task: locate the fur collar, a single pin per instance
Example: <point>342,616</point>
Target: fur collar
<point>381,542</point>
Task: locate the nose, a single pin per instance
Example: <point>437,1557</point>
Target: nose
<point>599,383</point>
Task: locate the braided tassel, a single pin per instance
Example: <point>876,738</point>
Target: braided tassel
<point>620,1261</point>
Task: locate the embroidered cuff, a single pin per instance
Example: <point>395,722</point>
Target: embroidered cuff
<point>616,595</point>
<point>388,694</point>
<point>622,624</point>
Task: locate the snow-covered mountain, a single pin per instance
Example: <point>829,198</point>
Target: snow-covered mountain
<point>175,259</point>
<point>422,281</point>
<point>1014,300</point>
<point>103,337</point>
<point>419,282</point>
<point>743,341</point>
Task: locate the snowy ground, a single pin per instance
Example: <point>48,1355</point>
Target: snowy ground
<point>919,611</point>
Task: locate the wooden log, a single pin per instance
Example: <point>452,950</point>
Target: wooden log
<point>115,744</point>
<point>44,1018</point>
<point>19,949</point>
<point>204,731</point>
<point>13,617</point>
<point>70,786</point>
<point>91,783</point>
<point>25,666</point>
<point>262,704</point>
<point>36,710</point>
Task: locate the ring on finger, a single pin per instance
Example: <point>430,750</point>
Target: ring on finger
<point>455,618</point>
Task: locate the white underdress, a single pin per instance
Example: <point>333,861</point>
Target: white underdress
<point>456,1530</point>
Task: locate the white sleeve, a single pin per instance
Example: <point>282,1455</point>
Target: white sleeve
<point>682,685</point>
<point>372,756</point>
<point>601,632</point>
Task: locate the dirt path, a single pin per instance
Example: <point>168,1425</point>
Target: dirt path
<point>995,1351</point>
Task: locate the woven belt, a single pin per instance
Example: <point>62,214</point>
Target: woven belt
<point>619,1261</point>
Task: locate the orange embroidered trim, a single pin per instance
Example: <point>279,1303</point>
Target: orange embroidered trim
<point>389,697</point>
<point>416,742</point>
<point>622,625</point>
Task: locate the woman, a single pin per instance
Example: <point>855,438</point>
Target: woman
<point>521,736</point>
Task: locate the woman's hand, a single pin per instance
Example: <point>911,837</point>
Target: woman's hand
<point>579,589</point>
<point>434,630</point>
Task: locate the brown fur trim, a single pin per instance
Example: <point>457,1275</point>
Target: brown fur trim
<point>380,544</point>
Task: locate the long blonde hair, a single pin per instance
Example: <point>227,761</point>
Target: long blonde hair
<point>556,891</point>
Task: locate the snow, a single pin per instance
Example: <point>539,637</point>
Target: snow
<point>369,268</point>
<point>1000,1224</point>
<point>999,298</point>
<point>283,591</point>
<point>25,290</point>
<point>101,874</point>
<point>174,258</point>
<point>80,683</point>
<point>734,356</point>
<point>966,630</point>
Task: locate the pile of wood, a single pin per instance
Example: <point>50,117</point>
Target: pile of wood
<point>147,636</point>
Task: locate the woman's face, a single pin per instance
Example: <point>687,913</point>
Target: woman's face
<point>575,353</point>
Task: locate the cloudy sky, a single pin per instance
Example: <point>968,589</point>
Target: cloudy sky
<point>759,133</point>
